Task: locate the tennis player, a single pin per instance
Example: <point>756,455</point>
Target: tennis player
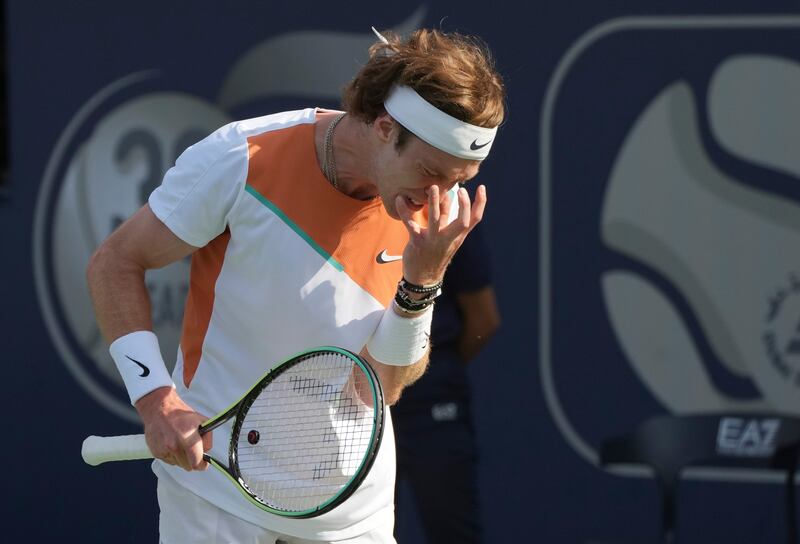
<point>305,228</point>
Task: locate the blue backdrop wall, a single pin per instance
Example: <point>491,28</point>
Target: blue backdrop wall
<point>643,213</point>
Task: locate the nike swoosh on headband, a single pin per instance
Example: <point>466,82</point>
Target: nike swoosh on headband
<point>145,370</point>
<point>384,258</point>
<point>475,145</point>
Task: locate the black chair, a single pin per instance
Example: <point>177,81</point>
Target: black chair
<point>668,444</point>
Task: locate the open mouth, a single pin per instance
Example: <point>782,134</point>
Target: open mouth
<point>413,204</point>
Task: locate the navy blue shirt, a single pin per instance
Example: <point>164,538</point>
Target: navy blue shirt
<point>446,378</point>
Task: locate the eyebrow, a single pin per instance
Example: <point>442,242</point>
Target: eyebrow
<point>465,180</point>
<point>436,173</point>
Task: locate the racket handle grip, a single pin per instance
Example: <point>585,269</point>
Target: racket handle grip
<point>101,449</point>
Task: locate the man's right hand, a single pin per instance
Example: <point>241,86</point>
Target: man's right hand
<point>171,429</point>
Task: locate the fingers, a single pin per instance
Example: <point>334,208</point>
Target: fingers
<point>463,208</point>
<point>177,440</point>
<point>434,209</point>
<point>478,206</point>
<point>208,441</point>
<point>469,215</point>
<point>444,211</point>
<point>406,215</point>
<point>430,249</point>
<point>189,455</point>
<point>195,454</point>
<point>462,223</point>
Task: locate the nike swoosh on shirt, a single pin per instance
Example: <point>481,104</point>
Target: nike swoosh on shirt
<point>384,258</point>
<point>145,370</point>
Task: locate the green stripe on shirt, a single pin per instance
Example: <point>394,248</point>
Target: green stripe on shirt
<point>277,211</point>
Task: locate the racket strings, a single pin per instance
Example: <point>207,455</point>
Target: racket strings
<point>313,428</point>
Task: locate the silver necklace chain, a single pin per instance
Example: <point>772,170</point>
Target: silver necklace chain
<point>328,160</point>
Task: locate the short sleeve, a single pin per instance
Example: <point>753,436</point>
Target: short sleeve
<point>197,194</point>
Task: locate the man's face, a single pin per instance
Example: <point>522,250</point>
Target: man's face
<point>411,171</point>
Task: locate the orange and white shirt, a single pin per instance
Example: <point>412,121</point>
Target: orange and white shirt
<point>287,263</point>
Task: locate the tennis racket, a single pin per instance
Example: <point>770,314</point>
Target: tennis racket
<point>304,437</point>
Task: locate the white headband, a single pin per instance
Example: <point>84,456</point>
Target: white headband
<point>432,125</point>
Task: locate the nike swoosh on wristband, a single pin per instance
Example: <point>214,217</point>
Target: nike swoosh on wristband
<point>145,370</point>
<point>476,146</point>
<point>384,258</point>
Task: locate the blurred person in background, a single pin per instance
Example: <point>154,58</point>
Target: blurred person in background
<point>437,453</point>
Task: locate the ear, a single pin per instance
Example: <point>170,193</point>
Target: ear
<point>384,127</point>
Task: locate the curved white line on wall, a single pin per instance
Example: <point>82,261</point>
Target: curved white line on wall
<point>302,64</point>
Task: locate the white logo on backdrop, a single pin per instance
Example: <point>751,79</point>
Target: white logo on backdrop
<point>747,437</point>
<point>726,246</point>
<point>91,186</point>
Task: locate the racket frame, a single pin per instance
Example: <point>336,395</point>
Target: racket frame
<point>239,409</point>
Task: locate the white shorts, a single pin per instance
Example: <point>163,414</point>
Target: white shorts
<point>185,517</point>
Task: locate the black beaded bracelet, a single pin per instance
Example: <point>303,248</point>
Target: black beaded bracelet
<point>409,287</point>
<point>410,306</point>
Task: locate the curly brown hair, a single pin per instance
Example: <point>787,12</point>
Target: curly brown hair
<point>453,72</point>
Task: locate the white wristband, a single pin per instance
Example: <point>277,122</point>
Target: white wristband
<point>401,341</point>
<point>138,359</point>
